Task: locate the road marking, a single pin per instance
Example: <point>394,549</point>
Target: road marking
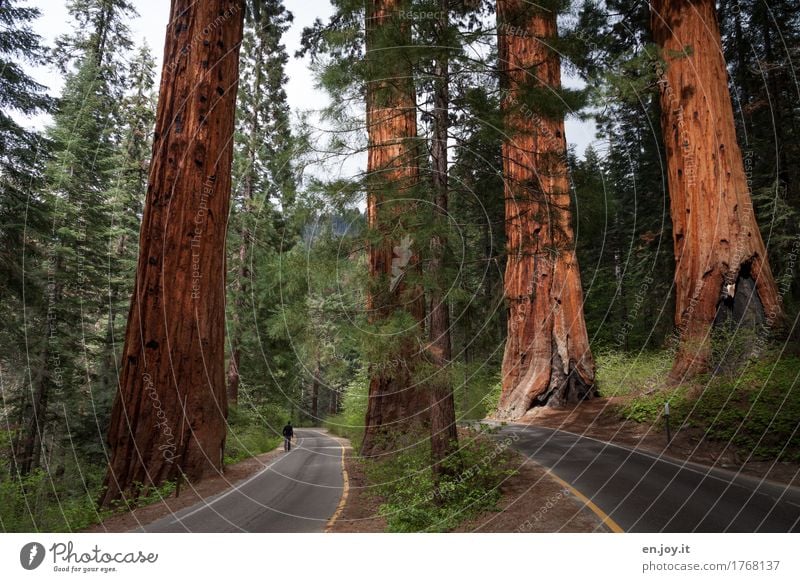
<point>236,488</point>
<point>343,498</point>
<point>604,517</point>
<point>707,471</point>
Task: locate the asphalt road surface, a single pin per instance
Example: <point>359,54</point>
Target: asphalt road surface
<point>298,492</point>
<point>644,493</point>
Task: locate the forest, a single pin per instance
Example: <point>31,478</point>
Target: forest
<point>187,259</point>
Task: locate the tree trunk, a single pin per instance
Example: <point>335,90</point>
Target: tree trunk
<point>28,447</point>
<point>547,357</point>
<point>315,397</point>
<point>238,305</point>
<point>168,419</point>
<point>721,267</point>
<point>333,403</point>
<point>396,404</point>
<point>443,413</point>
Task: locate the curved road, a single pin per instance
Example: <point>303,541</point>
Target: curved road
<point>297,492</point>
<point>644,493</point>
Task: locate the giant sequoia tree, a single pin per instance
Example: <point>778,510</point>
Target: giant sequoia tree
<point>547,357</point>
<point>395,303</point>
<point>721,270</point>
<point>168,419</point>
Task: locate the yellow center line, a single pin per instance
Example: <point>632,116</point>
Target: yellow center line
<point>343,498</point>
<point>604,517</point>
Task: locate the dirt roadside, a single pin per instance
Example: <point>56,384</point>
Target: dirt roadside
<point>598,419</point>
<point>531,501</point>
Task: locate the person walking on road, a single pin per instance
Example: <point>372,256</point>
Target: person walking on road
<point>288,434</point>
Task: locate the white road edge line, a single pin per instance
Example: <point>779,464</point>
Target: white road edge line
<point>237,487</point>
<point>704,470</point>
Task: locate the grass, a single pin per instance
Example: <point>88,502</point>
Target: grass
<point>757,410</point>
<point>413,502</point>
<point>754,406</point>
<point>622,373</point>
<point>405,481</point>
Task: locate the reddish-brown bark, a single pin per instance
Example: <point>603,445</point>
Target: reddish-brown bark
<point>168,418</point>
<point>547,357</point>
<point>721,267</point>
<point>396,403</point>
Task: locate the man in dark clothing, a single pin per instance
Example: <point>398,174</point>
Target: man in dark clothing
<point>288,434</point>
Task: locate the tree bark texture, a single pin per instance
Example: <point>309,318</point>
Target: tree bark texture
<point>168,418</point>
<point>396,403</point>
<point>547,358</point>
<point>721,267</point>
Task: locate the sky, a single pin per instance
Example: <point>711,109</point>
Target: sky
<point>150,27</point>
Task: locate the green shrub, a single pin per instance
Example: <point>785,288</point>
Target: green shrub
<point>412,501</point>
<point>39,503</point>
<point>758,410</point>
<point>476,391</point>
<point>621,373</point>
<point>252,431</point>
<point>349,423</point>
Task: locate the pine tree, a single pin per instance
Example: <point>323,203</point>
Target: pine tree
<point>263,168</point>
<point>23,223</point>
<point>100,29</point>
<point>76,180</point>
<point>125,199</point>
<point>23,215</point>
<point>75,186</point>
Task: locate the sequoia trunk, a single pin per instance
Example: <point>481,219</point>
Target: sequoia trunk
<point>721,268</point>
<point>168,419</point>
<point>547,357</point>
<point>396,404</point>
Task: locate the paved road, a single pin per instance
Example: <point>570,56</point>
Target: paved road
<point>297,492</point>
<point>643,493</point>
